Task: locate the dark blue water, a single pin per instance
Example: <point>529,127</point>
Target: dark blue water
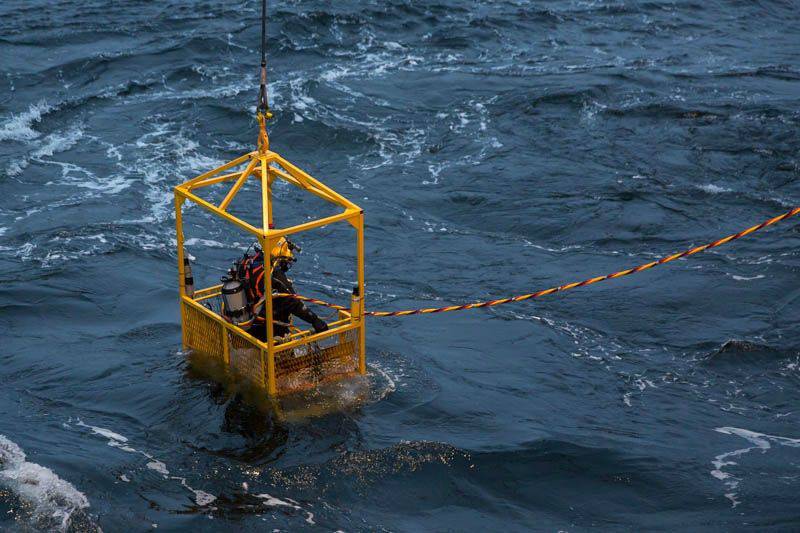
<point>497,148</point>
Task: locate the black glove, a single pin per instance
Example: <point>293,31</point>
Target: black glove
<point>298,309</point>
<point>319,325</point>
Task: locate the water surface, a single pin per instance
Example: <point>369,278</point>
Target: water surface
<point>497,148</point>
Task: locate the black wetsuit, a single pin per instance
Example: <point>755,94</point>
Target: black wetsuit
<point>283,308</point>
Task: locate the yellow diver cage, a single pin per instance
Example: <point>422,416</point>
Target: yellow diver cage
<point>303,359</point>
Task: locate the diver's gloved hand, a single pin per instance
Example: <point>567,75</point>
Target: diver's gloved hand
<point>319,325</point>
<point>301,311</point>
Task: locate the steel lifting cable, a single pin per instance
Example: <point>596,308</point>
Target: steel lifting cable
<point>263,102</point>
<point>263,114</point>
<point>568,286</point>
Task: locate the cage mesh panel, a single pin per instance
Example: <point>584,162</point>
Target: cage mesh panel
<point>308,365</point>
<point>296,369</point>
<point>246,359</point>
<point>203,334</point>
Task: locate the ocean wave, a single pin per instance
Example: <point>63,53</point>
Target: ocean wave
<point>53,248</point>
<point>779,72</point>
<point>618,132</point>
<point>166,147</point>
<point>20,127</point>
<point>53,500</point>
<point>56,142</point>
<point>742,352</point>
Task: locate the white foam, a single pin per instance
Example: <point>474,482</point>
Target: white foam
<point>56,142</point>
<point>19,127</point>
<point>217,91</point>
<point>391,384</point>
<point>272,501</point>
<point>627,399</point>
<point>746,278</point>
<point>209,243</point>
<point>432,227</point>
<point>202,498</point>
<point>713,189</point>
<point>590,111</point>
<point>25,252</point>
<point>59,141</point>
<point>107,433</point>
<point>162,150</point>
<point>159,467</point>
<point>759,441</point>
<point>199,162</point>
<point>434,170</point>
<point>82,246</point>
<point>54,500</point>
<point>276,502</point>
<point>562,249</point>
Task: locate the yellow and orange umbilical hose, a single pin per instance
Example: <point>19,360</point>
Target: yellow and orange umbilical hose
<point>568,286</point>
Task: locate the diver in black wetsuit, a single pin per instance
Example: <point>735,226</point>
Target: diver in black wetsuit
<point>283,308</point>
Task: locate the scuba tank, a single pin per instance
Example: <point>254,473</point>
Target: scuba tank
<point>188,279</point>
<point>237,294</point>
<point>234,297</point>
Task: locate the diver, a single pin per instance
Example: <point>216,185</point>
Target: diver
<point>283,308</point>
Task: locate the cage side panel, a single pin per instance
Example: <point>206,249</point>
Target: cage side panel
<point>245,358</point>
<point>202,333</point>
<point>300,368</point>
<point>308,365</point>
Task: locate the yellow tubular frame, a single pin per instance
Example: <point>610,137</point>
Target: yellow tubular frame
<point>263,165</point>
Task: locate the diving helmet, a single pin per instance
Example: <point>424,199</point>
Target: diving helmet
<point>283,251</point>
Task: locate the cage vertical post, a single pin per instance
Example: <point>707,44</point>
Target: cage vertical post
<point>362,331</point>
<point>266,246</point>
<point>181,278</point>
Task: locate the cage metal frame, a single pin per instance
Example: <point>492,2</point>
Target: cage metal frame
<point>266,166</point>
